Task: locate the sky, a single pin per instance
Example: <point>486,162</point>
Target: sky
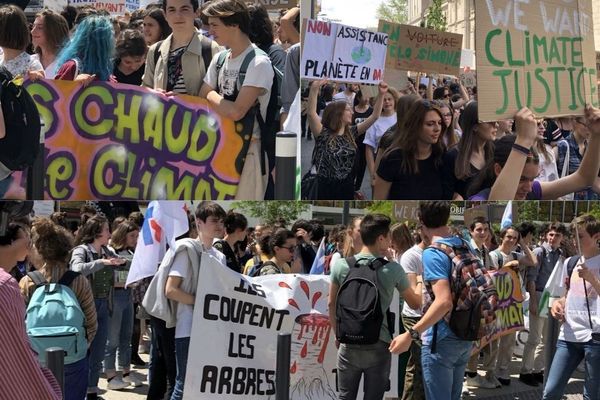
<point>359,13</point>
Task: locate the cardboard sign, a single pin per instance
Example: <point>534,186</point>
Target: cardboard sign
<point>535,54</point>
<point>277,4</point>
<point>115,141</point>
<point>509,315</point>
<point>114,7</point>
<point>236,322</point>
<point>412,48</point>
<point>468,78</point>
<point>342,53</point>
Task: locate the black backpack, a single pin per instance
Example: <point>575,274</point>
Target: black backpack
<point>256,268</point>
<point>20,147</point>
<point>270,125</point>
<point>358,306</point>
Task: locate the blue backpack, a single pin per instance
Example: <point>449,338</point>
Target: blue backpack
<point>54,318</point>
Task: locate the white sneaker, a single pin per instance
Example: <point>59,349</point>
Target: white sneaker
<point>132,380</point>
<point>465,391</point>
<point>480,382</point>
<point>117,383</point>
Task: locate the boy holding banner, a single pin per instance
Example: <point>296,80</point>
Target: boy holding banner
<point>579,337</point>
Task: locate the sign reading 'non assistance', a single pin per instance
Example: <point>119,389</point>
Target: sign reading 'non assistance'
<point>535,54</point>
<point>342,53</point>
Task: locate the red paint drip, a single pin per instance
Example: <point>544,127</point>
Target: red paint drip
<point>293,368</point>
<point>305,289</point>
<point>293,303</point>
<point>284,285</point>
<point>157,230</point>
<point>316,297</point>
<point>324,347</point>
<point>304,350</point>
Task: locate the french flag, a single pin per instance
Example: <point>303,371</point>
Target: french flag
<point>163,222</point>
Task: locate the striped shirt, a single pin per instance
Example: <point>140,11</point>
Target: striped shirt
<point>22,377</point>
<point>80,287</point>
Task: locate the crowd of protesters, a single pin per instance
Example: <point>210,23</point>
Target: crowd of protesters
<point>228,52</point>
<point>435,147</point>
<point>100,250</point>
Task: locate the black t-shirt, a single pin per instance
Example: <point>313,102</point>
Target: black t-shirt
<point>359,117</point>
<point>426,185</point>
<point>451,183</point>
<point>230,256</point>
<point>134,78</point>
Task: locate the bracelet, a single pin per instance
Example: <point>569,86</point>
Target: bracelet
<point>521,149</point>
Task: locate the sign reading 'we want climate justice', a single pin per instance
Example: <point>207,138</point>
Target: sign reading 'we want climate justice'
<point>535,54</point>
<point>342,53</point>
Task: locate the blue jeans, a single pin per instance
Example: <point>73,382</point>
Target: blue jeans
<point>5,185</point>
<point>119,332</point>
<point>567,357</point>
<point>76,380</point>
<point>443,372</point>
<point>182,345</point>
<point>372,360</point>
<point>98,346</point>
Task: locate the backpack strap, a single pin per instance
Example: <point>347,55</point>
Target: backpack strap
<point>68,277</point>
<point>220,62</point>
<point>245,63</point>
<point>351,261</point>
<point>37,278</point>
<point>206,45</point>
<point>157,52</point>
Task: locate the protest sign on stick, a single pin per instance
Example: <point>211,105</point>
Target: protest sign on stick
<point>412,48</point>
<point>276,5</point>
<point>535,54</point>
<point>236,321</point>
<point>342,53</point>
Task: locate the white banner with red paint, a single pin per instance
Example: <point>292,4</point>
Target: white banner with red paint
<point>237,319</point>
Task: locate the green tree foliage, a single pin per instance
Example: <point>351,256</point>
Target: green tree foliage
<point>393,11</point>
<point>382,207</point>
<point>528,211</point>
<point>436,19</point>
<point>595,210</point>
<point>270,212</point>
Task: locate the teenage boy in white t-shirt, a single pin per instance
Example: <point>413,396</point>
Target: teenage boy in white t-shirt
<point>229,24</point>
<point>181,288</point>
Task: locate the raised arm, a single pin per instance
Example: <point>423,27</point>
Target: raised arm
<point>507,182</point>
<point>587,173</point>
<point>366,124</point>
<point>464,94</point>
<point>314,121</point>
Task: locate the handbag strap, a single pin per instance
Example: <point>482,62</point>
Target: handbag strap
<point>565,168</point>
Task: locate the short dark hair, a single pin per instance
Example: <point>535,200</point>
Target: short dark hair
<point>90,229</point>
<point>525,228</point>
<point>261,27</point>
<point>318,230</point>
<point>230,12</point>
<point>158,15</point>
<point>11,233</point>
<point>207,209</point>
<point>15,31</point>
<point>131,43</point>
<point>235,221</point>
<point>505,230</point>
<point>478,220</point>
<point>434,214</point>
<point>558,227</point>
<point>302,224</point>
<point>372,226</point>
<point>194,4</point>
<point>278,238</point>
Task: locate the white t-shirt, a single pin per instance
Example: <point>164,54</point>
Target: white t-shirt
<point>259,74</point>
<point>548,168</point>
<point>51,70</point>
<point>577,324</point>
<point>376,131</point>
<point>341,96</point>
<point>412,263</point>
<point>22,64</point>
<point>185,312</point>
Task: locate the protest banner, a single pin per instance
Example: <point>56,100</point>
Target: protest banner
<point>412,48</point>
<point>342,53</point>
<point>114,7</point>
<point>115,141</point>
<point>234,336</point>
<point>535,54</point>
<point>509,315</point>
<point>468,78</point>
<point>277,5</point>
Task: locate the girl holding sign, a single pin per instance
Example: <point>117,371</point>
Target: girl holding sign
<point>579,337</point>
<point>335,148</point>
<point>512,172</point>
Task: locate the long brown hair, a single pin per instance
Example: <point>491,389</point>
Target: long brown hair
<point>407,140</point>
<point>118,239</point>
<point>56,30</point>
<point>90,230</point>
<point>333,120</point>
<point>462,167</point>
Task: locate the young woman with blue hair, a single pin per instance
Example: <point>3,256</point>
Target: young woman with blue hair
<point>88,55</point>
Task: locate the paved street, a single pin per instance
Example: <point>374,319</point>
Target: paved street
<point>516,390</point>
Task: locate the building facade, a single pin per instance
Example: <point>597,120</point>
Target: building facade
<point>457,10</point>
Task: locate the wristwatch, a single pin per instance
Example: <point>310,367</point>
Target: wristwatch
<point>414,335</point>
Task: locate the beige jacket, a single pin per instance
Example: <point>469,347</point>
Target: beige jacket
<point>194,70</point>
